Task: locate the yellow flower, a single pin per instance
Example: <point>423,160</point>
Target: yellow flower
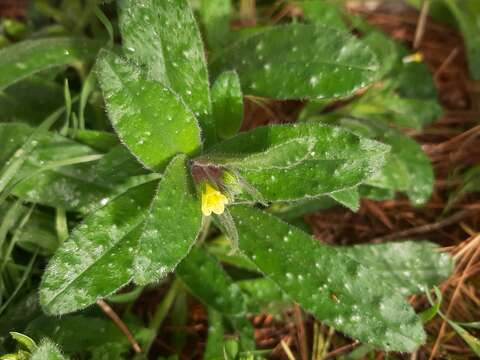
<point>213,201</point>
<point>417,57</point>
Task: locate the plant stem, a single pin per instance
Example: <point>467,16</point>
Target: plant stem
<point>162,311</point>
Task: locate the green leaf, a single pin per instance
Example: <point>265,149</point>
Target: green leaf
<point>420,111</point>
<point>329,160</point>
<point>180,319</point>
<point>336,289</point>
<point>19,314</point>
<point>99,140</point>
<point>467,14</point>
<point>293,210</point>
<point>407,74</point>
<point>227,104</point>
<point>284,155</point>
<point>74,332</point>
<point>472,341</point>
<point>24,340</point>
<point>434,309</point>
<point>66,186</point>
<point>171,226</point>
<point>323,13</point>
<point>265,295</point>
<point>216,17</point>
<point>299,61</point>
<point>205,278</point>
<point>349,198</point>
<point>164,36</point>
<point>117,166</point>
<point>97,258</point>
<point>388,107</point>
<point>31,56</point>
<point>214,345</point>
<point>231,349</point>
<point>222,250</point>
<point>38,234</point>
<point>376,193</point>
<point>407,168</point>
<point>149,118</point>
<point>409,267</point>
<point>47,350</point>
<point>30,100</point>
<point>384,48</point>
<point>79,187</point>
<point>244,328</point>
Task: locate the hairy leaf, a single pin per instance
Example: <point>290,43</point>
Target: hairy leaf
<point>349,198</point>
<point>97,258</point>
<point>149,118</point>
<point>47,350</point>
<point>31,56</point>
<point>336,289</point>
<point>171,226</point>
<point>164,37</point>
<point>329,160</point>
<point>409,267</point>
<point>405,112</point>
<point>227,104</point>
<point>384,48</point>
<point>299,61</point>
<point>407,168</point>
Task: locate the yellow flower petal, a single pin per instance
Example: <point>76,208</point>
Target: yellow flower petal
<point>213,201</point>
<point>416,57</point>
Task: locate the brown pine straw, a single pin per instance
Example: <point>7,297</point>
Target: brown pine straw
<point>120,324</point>
<point>301,334</point>
<point>472,255</point>
<point>421,25</point>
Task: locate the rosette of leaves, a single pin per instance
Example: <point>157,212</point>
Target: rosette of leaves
<point>158,99</point>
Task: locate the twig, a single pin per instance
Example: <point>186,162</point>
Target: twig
<point>287,350</point>
<point>316,335</point>
<point>445,146</point>
<point>421,25</point>
<point>424,228</point>
<point>341,350</point>
<point>472,244</point>
<point>375,209</point>
<point>445,63</point>
<point>120,324</point>
<point>302,339</point>
<point>248,12</point>
<point>331,331</point>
